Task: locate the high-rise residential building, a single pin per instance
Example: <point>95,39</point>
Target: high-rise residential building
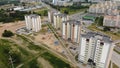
<point>58,19</point>
<point>33,22</point>
<point>95,48</point>
<point>71,30</point>
<point>50,16</point>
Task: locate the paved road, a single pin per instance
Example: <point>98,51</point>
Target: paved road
<point>48,7</point>
<point>116,41</point>
<point>116,58</point>
<point>77,16</point>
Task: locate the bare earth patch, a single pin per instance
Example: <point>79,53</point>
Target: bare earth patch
<point>48,39</point>
<point>11,26</point>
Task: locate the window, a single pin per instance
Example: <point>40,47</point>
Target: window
<point>87,40</point>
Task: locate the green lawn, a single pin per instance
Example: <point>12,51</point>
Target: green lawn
<point>54,61</point>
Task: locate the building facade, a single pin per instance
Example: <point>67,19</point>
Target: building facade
<point>33,22</point>
<point>58,19</point>
<point>71,30</point>
<point>102,7</point>
<point>95,48</point>
<point>112,19</point>
<point>50,16</point>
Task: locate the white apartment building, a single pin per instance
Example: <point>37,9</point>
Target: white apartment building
<point>71,30</point>
<point>62,2</point>
<point>33,22</point>
<point>58,19</point>
<point>102,7</point>
<point>50,16</point>
<point>95,47</point>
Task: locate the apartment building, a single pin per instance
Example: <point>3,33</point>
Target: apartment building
<point>58,19</point>
<point>33,22</point>
<point>112,19</point>
<point>71,30</point>
<point>102,7</point>
<point>95,48</point>
<point>50,16</point>
<point>62,2</point>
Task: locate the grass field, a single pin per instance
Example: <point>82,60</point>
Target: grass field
<point>22,54</point>
<point>54,61</point>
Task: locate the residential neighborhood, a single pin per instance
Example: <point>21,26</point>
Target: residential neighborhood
<point>59,34</point>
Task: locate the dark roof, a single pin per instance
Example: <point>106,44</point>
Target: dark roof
<point>72,22</point>
<point>97,36</point>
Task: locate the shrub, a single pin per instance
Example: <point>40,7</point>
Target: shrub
<point>7,33</point>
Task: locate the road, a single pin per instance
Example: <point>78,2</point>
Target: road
<point>116,58</point>
<point>77,16</point>
<point>49,7</point>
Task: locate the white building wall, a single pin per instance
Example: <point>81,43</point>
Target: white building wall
<point>33,22</point>
<point>68,30</point>
<point>63,30</point>
<point>82,49</point>
<point>75,33</point>
<point>55,20</point>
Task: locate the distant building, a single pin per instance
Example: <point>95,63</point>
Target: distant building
<point>62,2</point>
<point>30,1</point>
<point>95,48</point>
<point>17,8</point>
<point>71,30</point>
<point>112,19</point>
<point>102,7</point>
<point>58,19</point>
<point>33,22</point>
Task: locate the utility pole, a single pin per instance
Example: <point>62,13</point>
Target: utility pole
<point>11,61</point>
<point>10,58</point>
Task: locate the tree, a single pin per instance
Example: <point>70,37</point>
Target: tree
<point>106,29</point>
<point>99,21</point>
<point>7,33</point>
<point>66,12</point>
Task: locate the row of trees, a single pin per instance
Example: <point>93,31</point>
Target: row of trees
<point>11,16</point>
<point>68,9</point>
<point>4,2</point>
<point>99,22</point>
<point>42,12</point>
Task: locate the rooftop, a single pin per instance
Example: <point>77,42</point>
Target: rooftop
<point>72,22</point>
<point>33,15</point>
<point>96,35</point>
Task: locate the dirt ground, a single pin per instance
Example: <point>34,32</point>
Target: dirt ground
<point>49,39</point>
<point>11,26</point>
